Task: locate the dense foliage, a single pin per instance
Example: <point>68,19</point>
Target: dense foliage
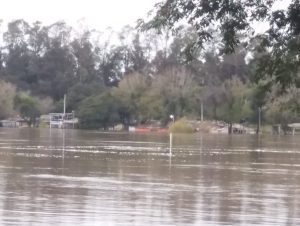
<point>132,78</point>
<point>235,23</point>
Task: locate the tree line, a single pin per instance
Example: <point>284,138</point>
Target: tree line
<point>133,76</point>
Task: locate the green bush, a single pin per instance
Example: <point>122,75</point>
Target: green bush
<point>99,111</point>
<point>181,126</point>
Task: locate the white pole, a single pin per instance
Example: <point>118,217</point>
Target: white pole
<point>171,141</point>
<point>64,115</point>
<point>65,97</point>
<point>171,135</point>
<point>201,111</point>
<point>259,119</point>
<point>63,151</point>
<point>202,86</point>
<point>173,118</point>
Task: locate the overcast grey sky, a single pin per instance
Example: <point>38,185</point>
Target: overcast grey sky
<point>98,14</point>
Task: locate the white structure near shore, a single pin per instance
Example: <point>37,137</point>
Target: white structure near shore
<point>63,120</point>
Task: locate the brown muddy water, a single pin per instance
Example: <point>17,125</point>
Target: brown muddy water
<point>57,177</point>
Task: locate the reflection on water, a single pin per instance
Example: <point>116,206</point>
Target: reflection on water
<point>56,177</point>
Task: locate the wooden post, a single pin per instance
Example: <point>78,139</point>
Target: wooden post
<point>201,111</point>
<point>293,131</point>
<point>259,120</point>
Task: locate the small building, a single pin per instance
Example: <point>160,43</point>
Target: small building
<point>62,120</point>
<point>294,127</point>
<point>13,123</point>
<point>9,123</point>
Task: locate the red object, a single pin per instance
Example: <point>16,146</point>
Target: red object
<point>148,129</point>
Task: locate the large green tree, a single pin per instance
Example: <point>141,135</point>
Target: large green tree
<point>230,17</point>
<point>99,111</point>
<point>233,20</point>
<point>31,107</point>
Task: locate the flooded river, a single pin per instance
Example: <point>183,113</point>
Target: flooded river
<point>56,177</point>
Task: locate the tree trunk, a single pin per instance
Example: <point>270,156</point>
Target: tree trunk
<point>230,128</point>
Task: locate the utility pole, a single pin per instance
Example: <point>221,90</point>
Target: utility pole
<point>201,111</point>
<point>64,115</point>
<point>171,135</point>
<point>259,120</point>
<point>65,97</point>
<point>202,85</point>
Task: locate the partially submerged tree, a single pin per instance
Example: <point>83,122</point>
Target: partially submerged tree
<point>128,94</point>
<point>236,104</point>
<point>282,109</point>
<point>100,111</point>
<point>31,107</point>
<point>180,93</point>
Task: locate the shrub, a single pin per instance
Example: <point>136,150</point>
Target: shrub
<point>181,126</point>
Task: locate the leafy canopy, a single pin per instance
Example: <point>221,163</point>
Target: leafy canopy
<point>230,17</point>
<point>278,49</point>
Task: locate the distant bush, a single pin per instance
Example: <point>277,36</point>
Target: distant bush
<point>98,112</point>
<point>181,126</point>
<point>43,125</point>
